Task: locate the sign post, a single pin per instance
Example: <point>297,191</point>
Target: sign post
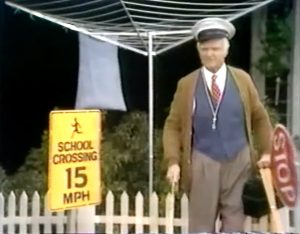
<point>276,224</point>
<point>74,159</point>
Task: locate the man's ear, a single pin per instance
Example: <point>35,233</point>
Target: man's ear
<point>226,52</point>
<point>227,47</point>
<point>198,46</point>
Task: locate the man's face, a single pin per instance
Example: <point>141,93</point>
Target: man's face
<point>212,53</point>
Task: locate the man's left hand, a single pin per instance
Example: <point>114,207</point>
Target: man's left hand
<point>265,161</point>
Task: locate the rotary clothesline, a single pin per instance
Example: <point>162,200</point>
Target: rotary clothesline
<point>128,23</point>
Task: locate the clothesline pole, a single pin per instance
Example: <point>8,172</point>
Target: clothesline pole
<point>151,110</point>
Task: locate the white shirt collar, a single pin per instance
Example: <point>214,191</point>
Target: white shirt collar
<point>222,70</point>
<point>221,77</point>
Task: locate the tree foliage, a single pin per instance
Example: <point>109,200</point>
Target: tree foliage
<point>276,48</point>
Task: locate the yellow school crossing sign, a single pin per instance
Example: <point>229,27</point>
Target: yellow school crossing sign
<point>74,159</point>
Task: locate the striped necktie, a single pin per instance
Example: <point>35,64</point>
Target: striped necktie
<point>215,90</point>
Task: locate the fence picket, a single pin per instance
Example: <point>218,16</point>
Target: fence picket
<point>248,224</point>
<point>263,224</point>
<point>11,212</point>
<point>47,216</point>
<point>2,205</point>
<point>35,213</point>
<point>254,225</point>
<point>109,206</point>
<point>169,213</point>
<point>139,213</point>
<point>285,218</point>
<point>23,207</point>
<point>154,213</point>
<point>184,214</point>
<point>60,222</point>
<point>71,221</point>
<point>124,212</point>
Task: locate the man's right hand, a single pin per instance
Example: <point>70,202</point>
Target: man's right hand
<point>173,173</point>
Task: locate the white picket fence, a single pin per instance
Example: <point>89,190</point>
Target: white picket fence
<point>21,215</point>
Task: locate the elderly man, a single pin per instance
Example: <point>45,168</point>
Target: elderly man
<point>207,135</point>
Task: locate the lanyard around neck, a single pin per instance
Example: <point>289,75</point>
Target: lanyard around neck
<point>214,110</point>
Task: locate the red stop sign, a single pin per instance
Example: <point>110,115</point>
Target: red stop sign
<point>283,166</point>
